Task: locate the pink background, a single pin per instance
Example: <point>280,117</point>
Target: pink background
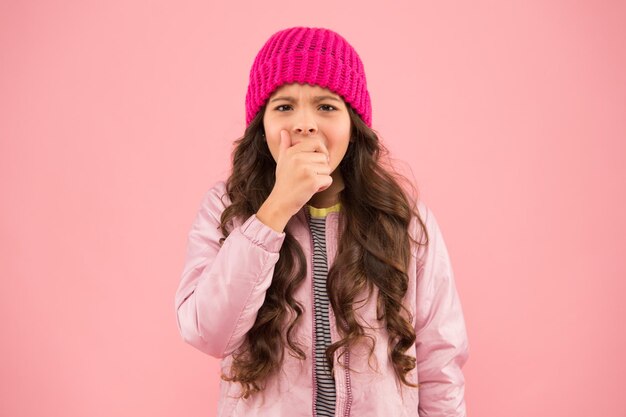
<point>116,116</point>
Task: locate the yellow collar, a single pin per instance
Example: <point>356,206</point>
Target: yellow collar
<point>322,212</point>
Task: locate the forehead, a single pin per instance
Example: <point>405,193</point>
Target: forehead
<point>307,89</point>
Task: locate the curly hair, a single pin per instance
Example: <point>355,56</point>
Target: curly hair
<point>373,250</point>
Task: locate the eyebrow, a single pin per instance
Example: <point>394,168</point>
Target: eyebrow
<point>315,99</point>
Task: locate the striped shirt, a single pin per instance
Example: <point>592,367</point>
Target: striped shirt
<point>325,383</point>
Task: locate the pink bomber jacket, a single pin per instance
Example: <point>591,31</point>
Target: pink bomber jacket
<point>222,288</point>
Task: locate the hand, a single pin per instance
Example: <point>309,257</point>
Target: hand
<point>301,170</point>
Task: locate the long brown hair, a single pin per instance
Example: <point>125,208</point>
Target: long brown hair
<point>373,251</point>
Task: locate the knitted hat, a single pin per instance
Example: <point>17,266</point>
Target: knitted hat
<point>315,56</point>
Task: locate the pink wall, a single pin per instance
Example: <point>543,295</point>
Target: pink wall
<point>116,116</point>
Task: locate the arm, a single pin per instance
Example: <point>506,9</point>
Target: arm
<point>222,288</point>
<point>441,345</point>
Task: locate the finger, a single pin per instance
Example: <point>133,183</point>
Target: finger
<point>312,158</point>
<point>325,182</point>
<point>321,169</point>
<point>312,146</point>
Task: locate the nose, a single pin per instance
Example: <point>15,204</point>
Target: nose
<point>305,130</point>
<point>305,126</point>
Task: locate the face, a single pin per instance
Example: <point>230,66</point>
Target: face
<point>307,111</point>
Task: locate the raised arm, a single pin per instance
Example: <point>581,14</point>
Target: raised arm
<point>442,345</point>
<point>222,288</point>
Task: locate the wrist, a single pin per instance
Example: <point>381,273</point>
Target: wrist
<point>273,215</point>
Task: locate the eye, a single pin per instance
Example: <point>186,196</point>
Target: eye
<point>282,105</point>
<point>327,108</point>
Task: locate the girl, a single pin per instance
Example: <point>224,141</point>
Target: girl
<point>323,286</point>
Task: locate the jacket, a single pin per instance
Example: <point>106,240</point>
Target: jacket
<point>222,289</point>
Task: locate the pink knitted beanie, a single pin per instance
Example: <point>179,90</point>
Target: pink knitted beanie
<point>315,56</point>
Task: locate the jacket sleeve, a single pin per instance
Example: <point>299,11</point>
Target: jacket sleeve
<point>222,288</point>
<point>441,338</point>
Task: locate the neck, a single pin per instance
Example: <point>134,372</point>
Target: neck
<point>330,196</point>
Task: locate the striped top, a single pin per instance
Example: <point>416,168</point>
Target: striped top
<point>325,383</point>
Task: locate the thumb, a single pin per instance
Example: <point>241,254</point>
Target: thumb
<point>285,142</point>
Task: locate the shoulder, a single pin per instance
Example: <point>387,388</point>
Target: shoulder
<point>216,195</point>
<point>214,200</point>
<point>421,214</point>
<point>422,217</point>
<point>424,225</point>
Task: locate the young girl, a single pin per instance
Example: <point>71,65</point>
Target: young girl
<point>322,284</point>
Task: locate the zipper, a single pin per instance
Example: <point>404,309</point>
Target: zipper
<point>306,212</point>
<point>346,350</point>
<point>348,385</point>
<point>346,360</point>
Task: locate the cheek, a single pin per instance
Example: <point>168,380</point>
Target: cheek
<point>341,134</point>
<point>340,140</point>
<point>272,135</point>
<point>273,146</point>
